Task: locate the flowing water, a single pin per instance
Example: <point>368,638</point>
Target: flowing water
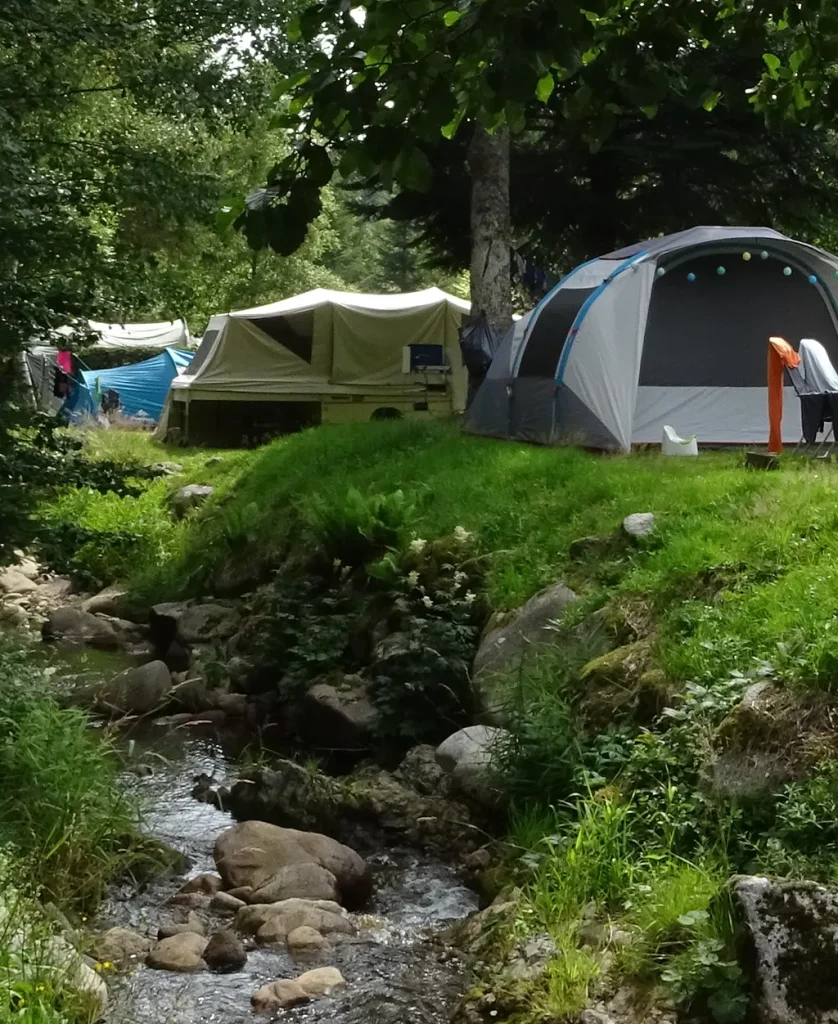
<point>396,973</point>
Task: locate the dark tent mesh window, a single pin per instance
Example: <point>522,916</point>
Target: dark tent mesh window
<point>713,331</point>
<point>547,337</point>
<point>279,328</point>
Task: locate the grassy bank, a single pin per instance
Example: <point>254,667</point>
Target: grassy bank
<point>620,827</point>
<point>763,545</point>
<point>66,831</point>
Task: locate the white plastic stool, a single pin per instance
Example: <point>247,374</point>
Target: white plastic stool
<point>672,444</point>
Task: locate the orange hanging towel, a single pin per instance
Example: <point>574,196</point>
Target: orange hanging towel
<point>780,356</point>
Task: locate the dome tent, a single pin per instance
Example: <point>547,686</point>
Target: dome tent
<point>670,331</point>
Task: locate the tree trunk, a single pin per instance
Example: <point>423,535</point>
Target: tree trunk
<point>491,287</point>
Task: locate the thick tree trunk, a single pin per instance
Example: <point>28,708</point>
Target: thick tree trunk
<point>491,288</point>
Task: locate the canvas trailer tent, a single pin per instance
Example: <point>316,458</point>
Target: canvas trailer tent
<point>672,331</point>
<point>323,356</point>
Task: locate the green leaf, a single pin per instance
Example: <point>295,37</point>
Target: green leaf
<point>451,18</point>
<point>228,213</point>
<point>710,99</point>
<point>413,170</point>
<point>544,88</point>
<point>288,84</point>
<point>450,130</point>
<point>319,169</point>
<point>773,63</point>
<point>650,110</point>
<point>294,31</point>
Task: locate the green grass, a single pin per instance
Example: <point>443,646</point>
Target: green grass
<point>742,560</point>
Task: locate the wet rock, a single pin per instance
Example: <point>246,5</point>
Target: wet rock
<point>789,948</point>
<point>121,945</point>
<point>505,648</point>
<point>639,525</point>
<point>336,718</point>
<point>138,691</point>
<point>421,770</point>
<point>274,922</point>
<point>303,881</point>
<point>253,852</point>
<point>191,900</point>
<point>192,923</point>
<point>468,756</point>
<point>304,941</point>
<point>190,497</point>
<point>225,952</point>
<point>113,600</point>
<point>77,626</point>
<point>226,903</point>
<point>280,995</point>
<point>233,704</point>
<point>13,581</point>
<point>205,882</point>
<point>182,953</point>
<point>191,694</point>
<point>241,892</point>
<point>296,795</point>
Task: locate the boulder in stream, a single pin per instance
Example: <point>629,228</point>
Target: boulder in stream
<point>121,945</point>
<point>225,952</point>
<point>303,881</point>
<point>273,922</point>
<point>469,756</point>
<point>205,882</point>
<point>191,923</point>
<point>226,903</point>
<point>337,717</point>
<point>182,953</point>
<point>138,691</point>
<point>254,852</point>
<point>75,626</point>
<point>304,941</point>
<point>282,995</point>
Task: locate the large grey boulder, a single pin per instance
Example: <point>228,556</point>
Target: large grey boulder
<point>183,953</point>
<point>121,945</point>
<point>639,525</point>
<point>469,757</point>
<point>303,881</point>
<point>504,649</point>
<point>13,581</point>
<point>113,600</point>
<point>790,935</point>
<point>189,497</point>
<point>336,718</point>
<point>136,691</point>
<point>76,626</point>
<point>192,623</point>
<point>254,852</point>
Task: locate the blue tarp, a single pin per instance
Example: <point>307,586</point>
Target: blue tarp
<point>142,387</point>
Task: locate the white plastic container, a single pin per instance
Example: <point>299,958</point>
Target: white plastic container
<point>672,444</point>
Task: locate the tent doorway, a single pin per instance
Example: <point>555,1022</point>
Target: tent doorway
<point>707,329</point>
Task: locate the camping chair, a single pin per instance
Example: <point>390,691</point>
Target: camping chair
<point>815,383</point>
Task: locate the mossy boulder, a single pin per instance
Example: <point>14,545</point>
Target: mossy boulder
<point>622,684</point>
<point>788,948</point>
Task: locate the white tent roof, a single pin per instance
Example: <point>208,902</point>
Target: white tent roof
<point>169,334</point>
<point>350,300</point>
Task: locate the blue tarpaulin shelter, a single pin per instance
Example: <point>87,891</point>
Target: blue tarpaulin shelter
<point>142,387</point>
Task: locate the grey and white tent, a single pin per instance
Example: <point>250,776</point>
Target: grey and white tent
<point>670,331</point>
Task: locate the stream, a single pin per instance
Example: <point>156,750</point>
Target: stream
<point>395,972</point>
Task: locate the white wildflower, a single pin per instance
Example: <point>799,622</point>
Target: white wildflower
<point>336,563</point>
<point>470,598</point>
<point>459,579</point>
<point>427,602</point>
<point>418,546</point>
<point>461,535</point>
<point>413,578</point>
